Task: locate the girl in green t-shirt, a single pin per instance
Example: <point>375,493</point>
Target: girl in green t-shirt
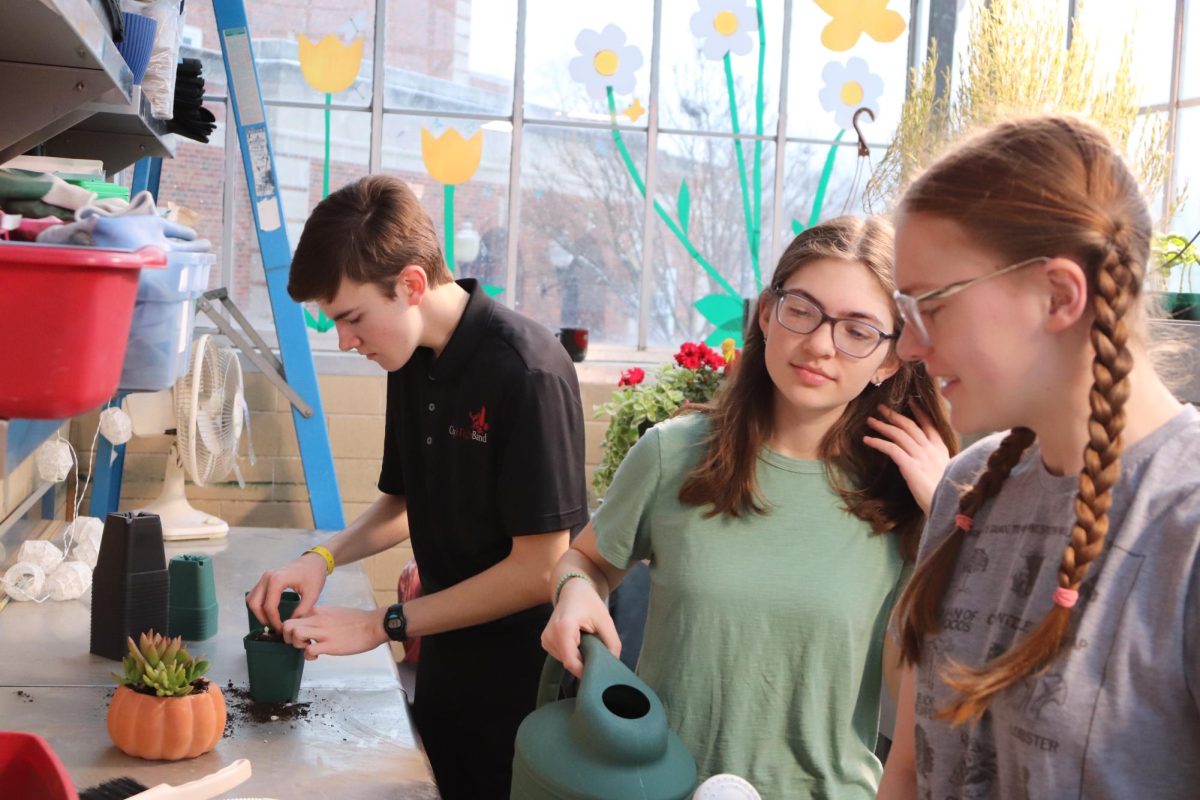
<point>776,522</point>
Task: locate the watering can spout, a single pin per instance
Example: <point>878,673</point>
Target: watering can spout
<point>611,741</point>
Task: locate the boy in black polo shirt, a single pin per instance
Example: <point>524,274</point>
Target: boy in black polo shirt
<point>482,468</point>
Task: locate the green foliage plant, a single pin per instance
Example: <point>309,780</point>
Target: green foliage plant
<point>637,406</point>
<point>1014,66</point>
<point>160,666</point>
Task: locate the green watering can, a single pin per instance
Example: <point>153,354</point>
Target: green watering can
<point>611,742</point>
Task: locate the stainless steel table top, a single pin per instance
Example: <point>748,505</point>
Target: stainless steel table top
<point>356,741</point>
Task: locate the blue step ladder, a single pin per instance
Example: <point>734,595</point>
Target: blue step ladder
<point>258,161</point>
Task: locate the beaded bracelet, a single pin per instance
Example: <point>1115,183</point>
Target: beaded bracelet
<point>563,582</point>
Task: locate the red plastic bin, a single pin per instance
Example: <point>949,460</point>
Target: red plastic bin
<point>29,768</point>
<point>64,323</point>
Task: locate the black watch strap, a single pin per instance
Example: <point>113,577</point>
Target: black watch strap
<point>395,624</point>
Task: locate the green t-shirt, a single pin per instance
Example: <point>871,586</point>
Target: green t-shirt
<point>764,634</point>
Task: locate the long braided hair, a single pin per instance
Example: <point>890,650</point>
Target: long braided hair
<point>1046,186</point>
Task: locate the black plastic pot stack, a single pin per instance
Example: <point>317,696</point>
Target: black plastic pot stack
<point>130,584</point>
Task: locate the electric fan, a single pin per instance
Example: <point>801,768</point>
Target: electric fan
<point>206,411</point>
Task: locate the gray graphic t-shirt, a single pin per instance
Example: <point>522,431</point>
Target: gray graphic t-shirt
<point>1117,714</point>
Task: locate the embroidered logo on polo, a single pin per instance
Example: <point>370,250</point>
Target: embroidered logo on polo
<point>477,431</point>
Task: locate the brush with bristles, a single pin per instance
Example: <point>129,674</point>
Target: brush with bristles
<point>201,789</point>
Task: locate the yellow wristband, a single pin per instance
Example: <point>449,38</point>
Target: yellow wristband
<point>324,553</point>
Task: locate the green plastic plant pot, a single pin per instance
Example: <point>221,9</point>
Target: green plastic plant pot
<point>275,668</point>
<point>1184,306</point>
<point>287,606</point>
<point>192,598</point>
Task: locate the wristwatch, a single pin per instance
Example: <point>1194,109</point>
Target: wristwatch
<point>395,624</point>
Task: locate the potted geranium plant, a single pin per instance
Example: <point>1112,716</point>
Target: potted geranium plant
<point>638,404</point>
<point>1176,257</point>
<point>164,708</point>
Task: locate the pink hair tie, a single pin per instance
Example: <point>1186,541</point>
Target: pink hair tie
<point>1065,597</point>
<point>964,522</point>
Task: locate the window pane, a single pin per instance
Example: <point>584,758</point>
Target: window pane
<point>451,56</point>
<point>825,86</point>
<point>802,178</point>
<point>1187,173</point>
<point>276,26</point>
<point>716,228</point>
<point>579,261</point>
<point>479,204</point>
<point>694,90</point>
<point>1191,51</point>
<point>297,137</point>
<point>1152,26</point>
<point>551,48</point>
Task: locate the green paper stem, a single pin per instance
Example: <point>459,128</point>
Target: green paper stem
<point>741,164</point>
<point>448,215</point>
<point>670,223</point>
<point>325,181</point>
<point>826,174</point>
<point>759,104</point>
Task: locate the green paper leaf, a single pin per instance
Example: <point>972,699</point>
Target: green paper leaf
<point>719,309</point>
<point>685,206</point>
<point>320,323</point>
<point>493,291</point>
<point>715,338</point>
<point>797,227</point>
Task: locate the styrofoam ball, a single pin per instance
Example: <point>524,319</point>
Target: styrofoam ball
<point>24,581</point>
<point>69,580</point>
<point>85,533</point>
<point>54,460</point>
<point>116,425</point>
<point>42,553</point>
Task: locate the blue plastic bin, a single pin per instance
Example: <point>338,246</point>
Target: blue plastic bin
<point>160,338</point>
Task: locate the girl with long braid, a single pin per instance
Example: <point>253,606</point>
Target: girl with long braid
<point>1051,631</point>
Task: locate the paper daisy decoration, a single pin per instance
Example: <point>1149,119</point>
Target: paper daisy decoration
<point>605,60</point>
<point>725,26</point>
<point>849,87</point>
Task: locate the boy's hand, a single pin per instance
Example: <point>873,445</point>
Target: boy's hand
<point>336,631</point>
<point>305,576</point>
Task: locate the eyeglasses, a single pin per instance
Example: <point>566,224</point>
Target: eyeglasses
<point>853,337</point>
<point>909,305</point>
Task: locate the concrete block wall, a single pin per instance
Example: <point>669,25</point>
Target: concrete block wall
<point>16,487</point>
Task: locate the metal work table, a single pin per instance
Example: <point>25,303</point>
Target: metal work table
<point>357,740</point>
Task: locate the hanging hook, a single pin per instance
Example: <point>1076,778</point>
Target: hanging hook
<point>863,150</point>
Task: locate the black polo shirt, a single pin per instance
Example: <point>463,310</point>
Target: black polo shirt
<point>486,442</point>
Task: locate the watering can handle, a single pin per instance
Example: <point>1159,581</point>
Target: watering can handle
<point>552,671</point>
<point>550,682</point>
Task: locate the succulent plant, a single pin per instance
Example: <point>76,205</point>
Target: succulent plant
<point>160,665</point>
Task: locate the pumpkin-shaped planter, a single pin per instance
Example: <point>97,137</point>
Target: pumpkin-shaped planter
<point>164,709</point>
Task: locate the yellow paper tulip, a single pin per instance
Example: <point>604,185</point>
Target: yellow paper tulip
<point>330,66</point>
<point>449,158</point>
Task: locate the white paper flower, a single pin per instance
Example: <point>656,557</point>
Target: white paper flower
<point>725,26</point>
<point>849,87</point>
<point>605,60</point>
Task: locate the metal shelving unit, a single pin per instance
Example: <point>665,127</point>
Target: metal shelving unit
<point>63,83</point>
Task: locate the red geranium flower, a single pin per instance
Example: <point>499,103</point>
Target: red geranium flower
<point>632,377</point>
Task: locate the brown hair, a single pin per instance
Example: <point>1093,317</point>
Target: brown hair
<point>868,481</point>
<point>1046,186</point>
<point>366,231</point>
